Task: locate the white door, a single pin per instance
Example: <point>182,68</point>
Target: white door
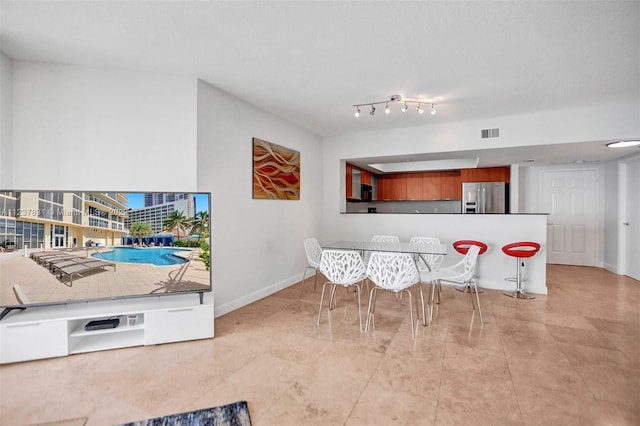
<point>631,222</point>
<point>569,196</point>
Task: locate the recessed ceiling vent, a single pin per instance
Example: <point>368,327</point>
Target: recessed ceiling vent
<point>490,133</point>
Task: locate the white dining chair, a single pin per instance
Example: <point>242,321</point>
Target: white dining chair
<point>433,261</point>
<point>460,272</point>
<point>428,262</point>
<point>314,252</point>
<point>395,272</point>
<point>342,268</point>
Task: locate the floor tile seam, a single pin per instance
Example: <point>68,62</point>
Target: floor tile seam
<point>364,388</point>
<point>615,349</point>
<point>441,379</point>
<point>573,366</point>
<point>513,385</point>
<point>282,394</point>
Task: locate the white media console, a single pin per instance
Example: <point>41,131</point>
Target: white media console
<point>59,330</point>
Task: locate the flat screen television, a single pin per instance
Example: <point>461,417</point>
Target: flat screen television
<point>60,247</point>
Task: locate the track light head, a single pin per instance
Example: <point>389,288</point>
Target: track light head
<point>357,114</point>
<point>386,109</point>
<point>405,107</point>
<point>433,109</point>
<point>419,108</point>
<point>373,110</point>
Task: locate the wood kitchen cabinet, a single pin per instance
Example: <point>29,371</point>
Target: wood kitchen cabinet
<point>365,177</point>
<point>384,188</point>
<point>414,186</point>
<point>431,186</point>
<point>451,185</point>
<point>486,174</point>
<point>392,187</point>
<point>399,186</point>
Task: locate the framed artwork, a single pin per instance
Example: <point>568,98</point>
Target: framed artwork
<point>276,171</point>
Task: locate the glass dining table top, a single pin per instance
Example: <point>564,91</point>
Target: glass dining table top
<point>403,247</point>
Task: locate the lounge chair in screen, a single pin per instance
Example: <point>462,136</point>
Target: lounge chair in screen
<point>82,268</point>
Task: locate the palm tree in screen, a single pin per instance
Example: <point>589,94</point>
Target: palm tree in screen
<point>140,229</point>
<point>176,220</point>
<point>200,224</point>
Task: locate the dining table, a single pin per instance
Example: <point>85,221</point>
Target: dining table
<point>417,250</point>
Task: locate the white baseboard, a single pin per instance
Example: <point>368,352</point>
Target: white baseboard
<point>220,310</point>
<point>611,268</point>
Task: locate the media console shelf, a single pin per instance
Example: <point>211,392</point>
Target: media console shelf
<point>53,331</point>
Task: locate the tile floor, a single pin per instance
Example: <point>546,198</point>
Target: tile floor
<point>569,358</point>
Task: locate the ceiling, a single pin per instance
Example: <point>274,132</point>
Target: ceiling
<point>309,62</point>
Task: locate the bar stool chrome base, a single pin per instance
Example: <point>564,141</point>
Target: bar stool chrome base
<point>518,294</point>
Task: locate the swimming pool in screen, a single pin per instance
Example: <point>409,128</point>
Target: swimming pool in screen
<point>153,256</point>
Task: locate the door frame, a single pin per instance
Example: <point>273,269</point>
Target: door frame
<point>622,212</point>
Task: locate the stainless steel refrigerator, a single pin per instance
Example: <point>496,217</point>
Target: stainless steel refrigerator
<point>485,197</point>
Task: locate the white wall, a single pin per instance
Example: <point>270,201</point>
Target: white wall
<point>257,244</point>
<point>6,99</point>
<point>93,129</point>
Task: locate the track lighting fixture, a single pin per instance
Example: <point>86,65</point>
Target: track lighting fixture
<point>393,99</point>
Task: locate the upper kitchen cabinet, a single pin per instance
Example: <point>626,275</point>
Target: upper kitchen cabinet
<point>486,174</point>
<point>451,185</point>
<point>392,187</point>
<point>414,186</point>
<point>431,186</point>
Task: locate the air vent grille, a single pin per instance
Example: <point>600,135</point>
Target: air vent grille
<point>490,133</point>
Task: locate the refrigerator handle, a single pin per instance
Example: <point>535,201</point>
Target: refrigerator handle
<point>482,198</point>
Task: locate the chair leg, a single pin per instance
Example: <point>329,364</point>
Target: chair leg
<point>359,307</point>
<point>304,277</point>
<point>321,300</point>
<point>413,333</point>
<point>475,289</point>
<point>371,307</point>
<point>432,299</point>
<point>315,280</point>
<point>424,316</point>
<point>332,296</point>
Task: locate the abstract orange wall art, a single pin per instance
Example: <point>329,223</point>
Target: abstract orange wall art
<point>276,171</point>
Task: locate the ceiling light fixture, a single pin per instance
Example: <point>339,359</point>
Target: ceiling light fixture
<point>623,144</point>
<point>393,99</point>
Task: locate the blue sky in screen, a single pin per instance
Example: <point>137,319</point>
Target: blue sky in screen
<point>136,201</point>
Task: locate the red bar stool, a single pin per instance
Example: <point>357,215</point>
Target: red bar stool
<point>462,247</point>
<point>520,250</point>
